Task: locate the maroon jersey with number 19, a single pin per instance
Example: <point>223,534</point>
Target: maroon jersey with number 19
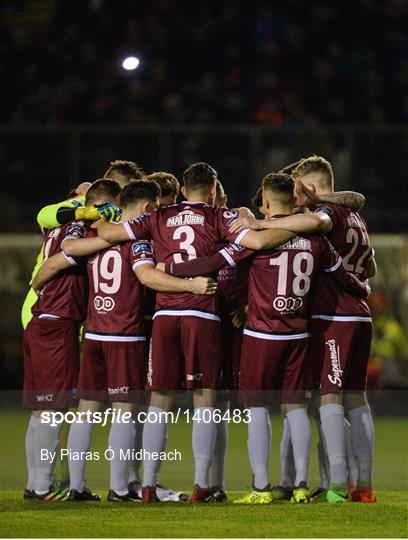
<point>115,308</point>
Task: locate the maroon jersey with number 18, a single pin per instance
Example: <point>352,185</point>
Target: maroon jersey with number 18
<point>281,286</point>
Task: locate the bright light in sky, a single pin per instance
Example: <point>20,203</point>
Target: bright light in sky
<point>130,63</point>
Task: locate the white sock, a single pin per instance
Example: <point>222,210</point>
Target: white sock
<point>259,443</point>
<point>30,450</point>
<point>204,434</point>
<point>154,436</point>
<point>362,433</point>
<point>301,437</point>
<point>46,437</point>
<point>121,440</point>
<point>287,464</point>
<point>135,465</point>
<point>218,461</point>
<point>352,465</point>
<point>163,449</point>
<point>332,419</point>
<point>324,465</point>
<point>79,440</point>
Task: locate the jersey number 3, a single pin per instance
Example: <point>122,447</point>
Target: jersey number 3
<point>185,233</point>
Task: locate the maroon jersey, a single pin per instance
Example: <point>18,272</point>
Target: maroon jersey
<point>350,238</point>
<point>281,286</point>
<point>115,307</point>
<point>233,278</point>
<point>66,296</point>
<point>183,232</point>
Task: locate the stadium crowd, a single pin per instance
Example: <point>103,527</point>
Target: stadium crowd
<point>209,62</point>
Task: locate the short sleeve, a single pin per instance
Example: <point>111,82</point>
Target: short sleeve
<point>225,217</point>
<point>139,227</point>
<point>329,210</point>
<point>74,231</point>
<point>234,253</point>
<point>141,252</point>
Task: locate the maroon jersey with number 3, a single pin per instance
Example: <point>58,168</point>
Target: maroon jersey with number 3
<point>115,307</point>
<point>65,296</point>
<point>350,238</point>
<point>180,233</point>
<point>281,286</point>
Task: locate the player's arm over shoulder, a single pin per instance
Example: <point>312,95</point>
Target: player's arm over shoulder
<point>124,231</point>
<point>301,223</point>
<point>49,269</point>
<point>83,247</point>
<point>54,215</point>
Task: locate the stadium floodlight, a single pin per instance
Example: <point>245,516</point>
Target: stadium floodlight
<point>130,63</point>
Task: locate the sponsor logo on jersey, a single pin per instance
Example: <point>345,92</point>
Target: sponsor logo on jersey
<point>335,376</point>
<point>230,215</point>
<point>287,304</point>
<point>143,217</point>
<point>186,217</point>
<point>45,397</point>
<point>76,229</point>
<point>324,210</point>
<point>142,248</point>
<point>194,376</point>
<point>231,248</point>
<point>297,243</point>
<point>104,303</point>
<point>119,390</point>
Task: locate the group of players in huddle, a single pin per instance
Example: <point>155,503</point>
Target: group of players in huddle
<point>273,309</point>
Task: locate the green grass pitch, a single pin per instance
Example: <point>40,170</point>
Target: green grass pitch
<point>387,518</point>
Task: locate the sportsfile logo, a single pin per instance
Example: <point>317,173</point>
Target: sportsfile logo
<point>337,372</point>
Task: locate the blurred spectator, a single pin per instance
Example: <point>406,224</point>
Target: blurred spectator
<point>388,367</point>
<point>215,61</point>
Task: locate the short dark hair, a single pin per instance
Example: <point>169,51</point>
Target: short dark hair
<point>102,188</point>
<point>168,183</point>
<point>139,190</point>
<point>256,200</point>
<point>199,176</point>
<point>126,170</point>
<point>281,184</point>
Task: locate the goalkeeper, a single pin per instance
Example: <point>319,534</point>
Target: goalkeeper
<point>53,216</point>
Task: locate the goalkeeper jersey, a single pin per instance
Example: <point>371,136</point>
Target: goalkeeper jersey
<point>47,219</point>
